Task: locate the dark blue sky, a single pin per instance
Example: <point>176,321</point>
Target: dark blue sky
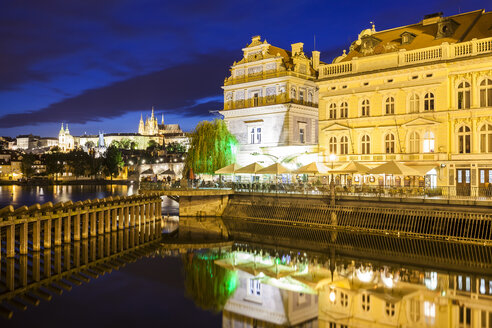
<point>98,64</point>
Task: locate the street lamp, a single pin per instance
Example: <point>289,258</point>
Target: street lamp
<point>333,158</point>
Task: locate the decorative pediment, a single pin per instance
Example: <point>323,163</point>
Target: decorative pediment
<point>335,127</point>
<point>420,122</point>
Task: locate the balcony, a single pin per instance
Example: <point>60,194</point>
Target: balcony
<point>404,58</point>
<point>422,157</point>
<point>266,101</point>
<point>265,75</point>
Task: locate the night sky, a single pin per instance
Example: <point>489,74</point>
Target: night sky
<point>98,64</point>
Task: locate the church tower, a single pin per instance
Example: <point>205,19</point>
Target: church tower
<point>141,127</point>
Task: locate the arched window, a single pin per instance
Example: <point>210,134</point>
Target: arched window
<point>464,95</point>
<point>293,93</point>
<point>333,111</point>
<point>389,143</point>
<point>414,103</point>
<point>365,107</point>
<point>333,145</point>
<point>429,142</point>
<point>365,144</point>
<point>310,97</point>
<point>486,93</point>
<point>344,110</point>
<point>464,140</point>
<point>390,105</point>
<point>429,101</point>
<point>414,142</point>
<point>344,145</point>
<point>486,138</point>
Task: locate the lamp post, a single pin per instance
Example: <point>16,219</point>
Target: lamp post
<point>333,158</point>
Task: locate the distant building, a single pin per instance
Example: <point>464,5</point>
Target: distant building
<point>170,132</point>
<point>48,142</point>
<point>27,141</point>
<point>66,142</point>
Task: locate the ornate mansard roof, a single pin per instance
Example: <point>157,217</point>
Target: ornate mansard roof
<point>433,30</point>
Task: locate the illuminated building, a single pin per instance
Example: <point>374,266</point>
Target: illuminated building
<point>171,133</point>
<point>271,102</point>
<point>419,94</point>
<point>66,141</point>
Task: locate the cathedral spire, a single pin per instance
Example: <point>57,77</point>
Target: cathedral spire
<point>162,122</point>
<point>62,131</point>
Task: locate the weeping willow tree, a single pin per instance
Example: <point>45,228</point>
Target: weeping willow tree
<point>212,147</point>
<point>209,285</point>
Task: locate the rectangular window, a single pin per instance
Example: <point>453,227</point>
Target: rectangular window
<point>254,287</point>
<point>258,135</point>
<point>460,180</point>
<point>429,312</point>
<point>482,176</point>
<point>467,177</point>
<point>301,136</point>
<point>490,176</point>
<point>255,135</point>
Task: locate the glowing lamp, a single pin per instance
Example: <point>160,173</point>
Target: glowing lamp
<point>332,296</point>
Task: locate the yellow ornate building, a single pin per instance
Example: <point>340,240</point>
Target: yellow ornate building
<point>271,103</point>
<point>419,94</point>
<point>66,141</point>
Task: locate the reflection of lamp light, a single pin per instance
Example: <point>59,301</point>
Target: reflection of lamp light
<point>332,296</point>
<point>365,274</point>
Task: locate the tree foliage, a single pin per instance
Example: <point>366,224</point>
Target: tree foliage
<point>209,285</point>
<point>212,147</point>
<point>113,161</point>
<point>90,144</point>
<point>175,147</point>
<point>26,165</point>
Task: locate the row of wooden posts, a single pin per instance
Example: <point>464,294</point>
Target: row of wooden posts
<point>47,224</point>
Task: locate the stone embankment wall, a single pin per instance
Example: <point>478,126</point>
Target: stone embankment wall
<point>411,221</point>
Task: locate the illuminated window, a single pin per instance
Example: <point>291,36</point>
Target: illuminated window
<point>366,302</point>
<point>429,312</point>
<point>464,95</point>
<point>390,309</point>
<point>366,144</point>
<point>344,145</point>
<point>414,103</point>
<point>254,287</point>
<point>464,140</point>
<point>333,111</point>
<point>429,101</point>
<point>333,145</point>
<point>486,138</point>
<point>429,142</point>
<point>255,135</point>
<point>414,142</point>
<point>414,309</point>
<point>390,105</point>
<point>389,142</point>
<point>301,96</point>
<point>344,110</point>
<point>486,93</point>
<point>365,107</point>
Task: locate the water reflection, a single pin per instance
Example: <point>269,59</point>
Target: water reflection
<point>303,278</point>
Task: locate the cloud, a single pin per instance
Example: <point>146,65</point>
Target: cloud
<point>175,90</point>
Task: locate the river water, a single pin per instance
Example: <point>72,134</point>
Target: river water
<point>257,276</point>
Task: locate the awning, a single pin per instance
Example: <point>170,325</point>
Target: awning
<point>250,169</point>
<point>147,172</point>
<point>424,169</point>
<point>313,168</point>
<point>351,168</point>
<point>229,169</point>
<point>394,168</point>
<point>167,172</point>
<point>274,169</point>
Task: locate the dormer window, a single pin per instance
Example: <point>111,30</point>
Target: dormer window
<point>369,43</point>
<point>446,28</point>
<point>407,37</point>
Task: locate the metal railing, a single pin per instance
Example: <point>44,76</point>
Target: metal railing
<point>362,191</point>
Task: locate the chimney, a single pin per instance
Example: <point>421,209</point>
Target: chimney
<point>297,48</point>
<point>315,59</point>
